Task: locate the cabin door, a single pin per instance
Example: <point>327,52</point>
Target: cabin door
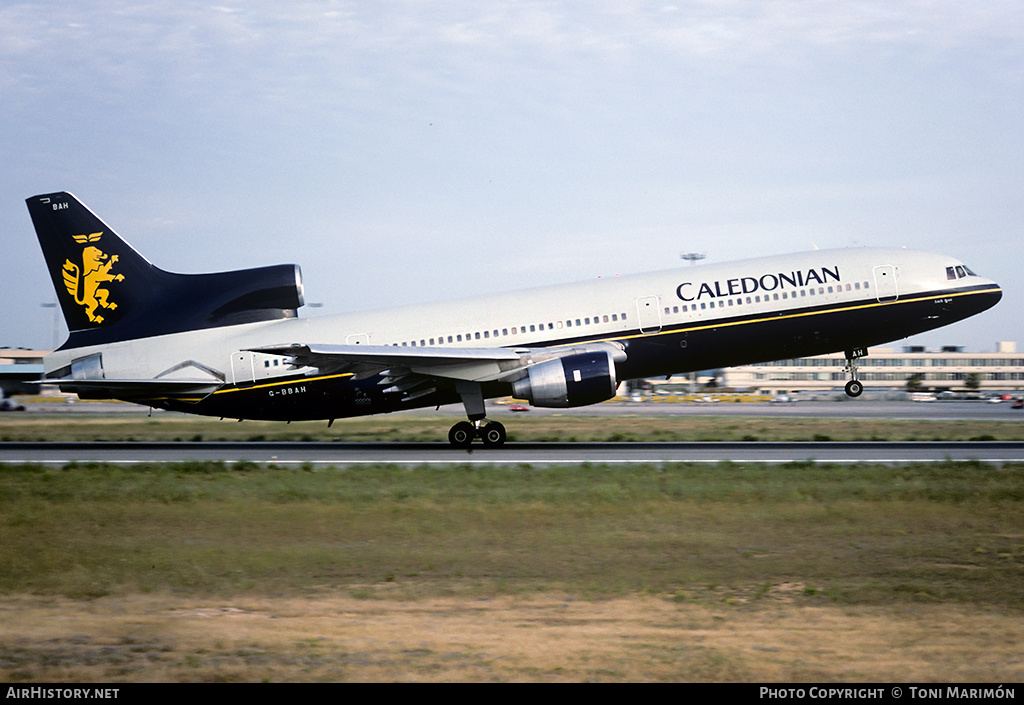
<point>649,312</point>
<point>243,367</point>
<point>886,288</point>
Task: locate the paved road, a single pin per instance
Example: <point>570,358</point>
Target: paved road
<point>345,454</point>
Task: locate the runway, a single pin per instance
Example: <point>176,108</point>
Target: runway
<point>354,454</point>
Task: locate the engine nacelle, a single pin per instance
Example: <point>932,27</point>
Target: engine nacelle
<point>576,380</point>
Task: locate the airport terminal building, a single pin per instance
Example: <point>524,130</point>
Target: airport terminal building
<point>946,369</point>
<point>18,367</point>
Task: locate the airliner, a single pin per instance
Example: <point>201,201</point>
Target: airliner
<point>231,344</point>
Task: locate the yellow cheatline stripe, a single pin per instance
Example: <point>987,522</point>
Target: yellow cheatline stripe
<point>840,309</point>
<point>303,380</point>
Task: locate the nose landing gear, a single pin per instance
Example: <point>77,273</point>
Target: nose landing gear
<point>854,388</point>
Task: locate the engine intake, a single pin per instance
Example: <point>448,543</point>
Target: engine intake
<point>576,380</point>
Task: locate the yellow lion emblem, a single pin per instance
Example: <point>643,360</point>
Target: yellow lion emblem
<point>83,283</point>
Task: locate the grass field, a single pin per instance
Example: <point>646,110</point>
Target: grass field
<point>211,571</point>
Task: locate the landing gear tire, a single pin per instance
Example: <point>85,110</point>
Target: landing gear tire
<point>493,434</point>
<point>854,388</point>
<point>462,434</point>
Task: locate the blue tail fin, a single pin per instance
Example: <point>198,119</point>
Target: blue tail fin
<point>109,292</point>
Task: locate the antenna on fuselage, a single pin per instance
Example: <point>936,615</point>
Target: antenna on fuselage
<point>693,257</point>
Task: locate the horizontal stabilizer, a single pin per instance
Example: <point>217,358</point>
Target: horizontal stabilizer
<point>133,388</point>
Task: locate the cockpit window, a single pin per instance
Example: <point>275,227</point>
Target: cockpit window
<point>959,272</point>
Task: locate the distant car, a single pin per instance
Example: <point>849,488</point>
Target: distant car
<point>519,407</point>
<point>8,405</point>
<point>1018,404</point>
<point>922,396</point>
<point>782,399</point>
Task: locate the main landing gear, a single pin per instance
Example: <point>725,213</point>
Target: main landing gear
<point>462,434</point>
<point>854,388</point>
<point>491,433</point>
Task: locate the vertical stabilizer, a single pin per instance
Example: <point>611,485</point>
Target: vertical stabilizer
<point>97,275</point>
<point>109,292</point>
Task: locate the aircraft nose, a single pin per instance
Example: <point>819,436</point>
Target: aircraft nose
<point>991,296</point>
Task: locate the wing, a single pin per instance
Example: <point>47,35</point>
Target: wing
<point>418,371</point>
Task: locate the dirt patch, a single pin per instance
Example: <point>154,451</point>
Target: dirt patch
<point>547,638</point>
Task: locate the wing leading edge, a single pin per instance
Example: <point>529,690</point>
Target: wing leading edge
<point>461,364</point>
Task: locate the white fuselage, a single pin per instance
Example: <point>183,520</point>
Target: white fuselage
<point>634,307</point>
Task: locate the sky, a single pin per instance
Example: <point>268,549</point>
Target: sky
<point>405,151</point>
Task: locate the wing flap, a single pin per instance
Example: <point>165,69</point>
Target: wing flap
<point>467,364</point>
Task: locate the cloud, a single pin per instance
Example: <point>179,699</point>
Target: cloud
<point>521,132</point>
